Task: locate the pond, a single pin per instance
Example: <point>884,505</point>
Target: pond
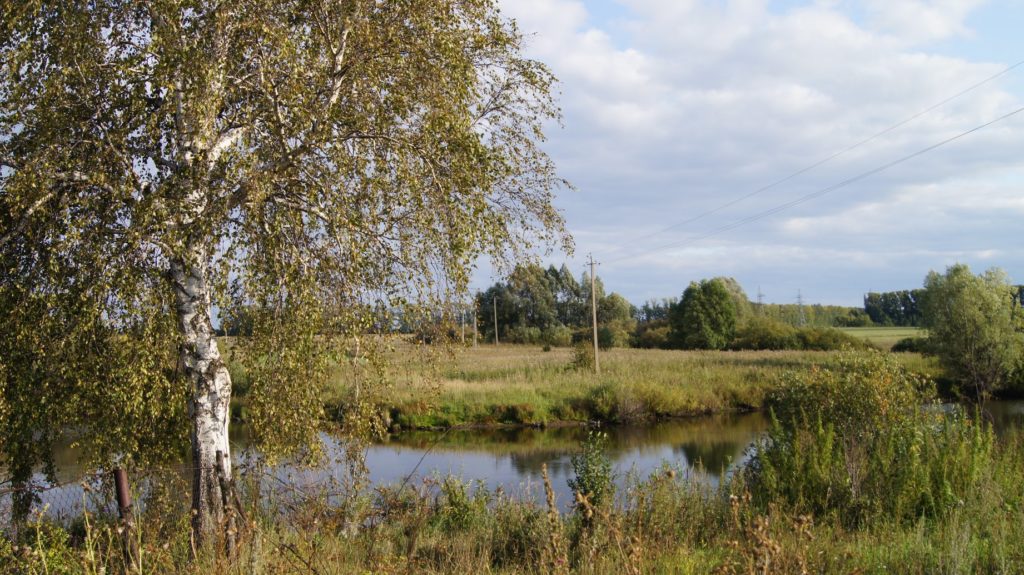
<point>707,448</point>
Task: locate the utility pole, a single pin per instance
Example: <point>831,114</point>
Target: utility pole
<point>760,301</point>
<point>462,321</point>
<point>475,331</point>
<point>494,300</point>
<point>800,305</point>
<point>593,311</point>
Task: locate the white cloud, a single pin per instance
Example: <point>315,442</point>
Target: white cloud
<point>682,105</point>
<point>921,20</point>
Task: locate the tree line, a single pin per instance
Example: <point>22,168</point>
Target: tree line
<point>549,306</point>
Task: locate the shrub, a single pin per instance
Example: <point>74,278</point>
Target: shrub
<point>524,334</point>
<point>583,355</point>
<point>558,336</point>
<point>911,345</point>
<point>593,470</point>
<point>859,441</point>
<point>652,337</point>
<point>458,509</point>
<point>765,333</point>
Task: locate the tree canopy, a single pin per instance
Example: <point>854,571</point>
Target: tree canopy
<point>309,160</point>
<point>705,317</point>
<point>974,326</point>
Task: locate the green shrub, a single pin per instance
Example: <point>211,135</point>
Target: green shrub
<point>524,334</point>
<point>458,509</point>
<point>762,333</point>
<point>593,470</point>
<point>583,356</point>
<point>652,336</point>
<point>558,336</point>
<point>862,440</point>
<point>911,345</point>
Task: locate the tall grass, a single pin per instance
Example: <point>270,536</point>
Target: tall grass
<point>520,385</point>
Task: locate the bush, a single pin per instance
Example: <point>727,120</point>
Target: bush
<point>593,470</point>
<point>558,336</point>
<point>766,333</point>
<point>652,335</point>
<point>762,333</point>
<point>860,442</point>
<point>583,355</point>
<point>911,345</point>
<point>524,334</point>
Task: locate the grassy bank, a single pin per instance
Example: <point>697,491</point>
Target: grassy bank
<point>522,385</point>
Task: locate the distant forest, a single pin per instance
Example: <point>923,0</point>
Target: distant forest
<point>550,306</point>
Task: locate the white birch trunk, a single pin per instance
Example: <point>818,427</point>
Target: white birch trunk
<point>210,393</point>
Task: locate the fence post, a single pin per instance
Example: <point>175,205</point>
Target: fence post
<point>129,542</point>
<point>227,502</point>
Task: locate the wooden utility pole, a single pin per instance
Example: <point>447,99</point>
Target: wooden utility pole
<point>593,311</point>
<point>475,331</point>
<point>494,300</point>
<point>462,322</point>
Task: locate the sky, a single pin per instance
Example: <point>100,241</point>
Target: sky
<point>679,115</point>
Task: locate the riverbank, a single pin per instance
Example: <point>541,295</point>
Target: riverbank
<point>519,386</point>
<point>934,492</point>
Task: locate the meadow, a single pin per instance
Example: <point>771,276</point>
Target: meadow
<point>884,337</point>
<point>523,385</point>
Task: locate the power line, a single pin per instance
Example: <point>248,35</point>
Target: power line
<point>832,157</point>
<point>808,197</point>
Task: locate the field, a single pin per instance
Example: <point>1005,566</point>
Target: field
<point>523,385</point>
<point>884,337</point>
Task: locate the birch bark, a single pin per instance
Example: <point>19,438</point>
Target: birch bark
<point>210,385</point>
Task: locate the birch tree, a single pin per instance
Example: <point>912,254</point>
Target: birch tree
<point>305,158</point>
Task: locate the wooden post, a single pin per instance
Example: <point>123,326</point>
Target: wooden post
<point>593,312</point>
<point>230,527</point>
<point>129,543</point>
<point>494,300</point>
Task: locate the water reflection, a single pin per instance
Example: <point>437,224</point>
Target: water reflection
<point>511,459</point>
<point>705,447</point>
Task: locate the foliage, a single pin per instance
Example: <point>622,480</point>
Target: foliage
<point>293,164</point>
<point>974,327</point>
<point>911,345</point>
<point>593,470</point>
<point>705,317</point>
<point>860,441</point>
<point>896,308</point>
<point>853,318</point>
<point>538,305</point>
<point>583,356</point>
<point>762,333</point>
<point>653,335</point>
<point>765,333</point>
<point>812,315</point>
<point>741,304</point>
